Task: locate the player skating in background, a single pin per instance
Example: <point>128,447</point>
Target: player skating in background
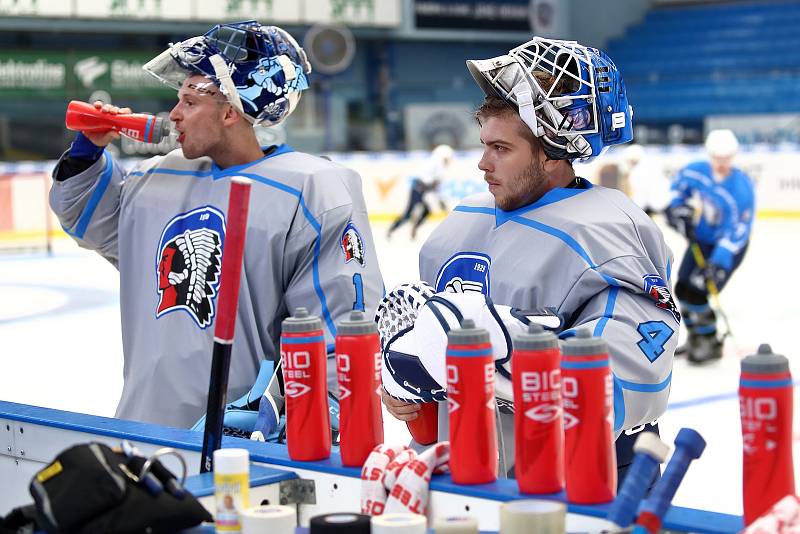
<point>549,243</point>
<point>162,225</point>
<point>425,190</point>
<point>717,237</point>
<point>647,185</point>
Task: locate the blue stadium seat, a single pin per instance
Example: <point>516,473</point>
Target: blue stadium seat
<point>682,63</point>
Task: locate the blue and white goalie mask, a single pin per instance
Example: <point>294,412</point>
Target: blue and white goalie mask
<point>261,70</point>
<point>572,97</point>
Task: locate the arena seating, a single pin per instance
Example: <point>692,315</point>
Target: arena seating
<point>682,63</point>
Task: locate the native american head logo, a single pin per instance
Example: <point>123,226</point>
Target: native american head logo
<point>352,244</point>
<point>655,286</point>
<point>188,264</point>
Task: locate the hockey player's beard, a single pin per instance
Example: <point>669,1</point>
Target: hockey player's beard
<point>525,188</point>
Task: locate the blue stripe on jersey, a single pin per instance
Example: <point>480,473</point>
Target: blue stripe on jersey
<point>619,397</point>
<point>619,405</point>
<point>326,314</point>
<point>562,235</point>
<point>94,200</point>
<point>474,209</point>
<point>644,388</point>
<point>222,173</point>
<point>551,197</point>
<point>214,171</point>
<point>608,313</point>
<point>173,172</point>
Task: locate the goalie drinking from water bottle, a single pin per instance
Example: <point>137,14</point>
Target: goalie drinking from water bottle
<point>543,244</point>
<point>163,223</point>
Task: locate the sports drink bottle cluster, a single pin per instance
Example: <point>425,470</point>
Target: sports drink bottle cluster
<point>358,360</point>
<point>563,419</point>
<point>563,413</point>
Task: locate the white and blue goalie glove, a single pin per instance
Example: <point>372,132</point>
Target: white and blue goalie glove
<point>413,322</point>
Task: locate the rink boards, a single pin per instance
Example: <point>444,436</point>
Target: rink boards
<point>31,437</point>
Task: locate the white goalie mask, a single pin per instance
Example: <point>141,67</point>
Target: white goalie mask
<point>572,97</point>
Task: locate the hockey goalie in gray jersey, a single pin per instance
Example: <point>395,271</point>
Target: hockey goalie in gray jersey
<point>551,244</point>
<point>162,224</point>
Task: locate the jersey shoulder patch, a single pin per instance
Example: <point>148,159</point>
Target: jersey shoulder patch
<point>352,244</point>
<point>658,290</point>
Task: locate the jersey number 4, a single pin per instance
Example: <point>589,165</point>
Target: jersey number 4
<point>655,335</point>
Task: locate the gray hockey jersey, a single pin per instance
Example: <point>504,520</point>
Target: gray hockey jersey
<point>589,256</point>
<point>163,226</point>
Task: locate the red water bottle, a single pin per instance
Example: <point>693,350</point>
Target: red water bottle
<point>765,405</point>
<point>425,428</point>
<point>587,393</point>
<point>358,369</point>
<point>538,422</point>
<point>303,358</point>
<point>470,399</point>
<point>84,117</point>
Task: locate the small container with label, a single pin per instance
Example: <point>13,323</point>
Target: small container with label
<point>231,488</point>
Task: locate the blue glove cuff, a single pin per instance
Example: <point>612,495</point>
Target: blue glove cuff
<point>82,148</point>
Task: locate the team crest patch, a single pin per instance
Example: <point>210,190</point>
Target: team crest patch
<point>352,244</point>
<point>188,264</point>
<point>655,286</point>
<point>465,271</point>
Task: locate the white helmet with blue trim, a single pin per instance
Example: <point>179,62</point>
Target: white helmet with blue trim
<point>572,97</point>
<point>261,70</point>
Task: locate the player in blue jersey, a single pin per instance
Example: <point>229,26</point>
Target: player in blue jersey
<point>162,224</point>
<point>570,254</point>
<point>718,236</point>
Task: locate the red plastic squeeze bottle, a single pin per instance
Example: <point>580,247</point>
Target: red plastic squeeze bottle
<point>470,398</point>
<point>303,358</point>
<point>358,369</point>
<point>587,393</point>
<point>765,405</point>
<point>84,117</point>
<point>538,421</point>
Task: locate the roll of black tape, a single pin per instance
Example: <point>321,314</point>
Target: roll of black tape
<point>342,522</point>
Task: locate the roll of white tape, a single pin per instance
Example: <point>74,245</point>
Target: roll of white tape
<point>455,525</point>
<point>274,519</point>
<point>399,524</point>
<point>533,515</point>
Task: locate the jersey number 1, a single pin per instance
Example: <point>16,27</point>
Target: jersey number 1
<point>358,284</point>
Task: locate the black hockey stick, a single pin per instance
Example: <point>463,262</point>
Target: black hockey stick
<point>227,303</point>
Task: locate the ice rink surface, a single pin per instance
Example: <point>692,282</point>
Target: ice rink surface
<point>60,343</point>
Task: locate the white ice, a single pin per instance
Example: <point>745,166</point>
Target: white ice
<point>60,343</point>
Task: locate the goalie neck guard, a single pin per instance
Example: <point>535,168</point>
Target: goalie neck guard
<point>261,70</point>
<point>572,97</point>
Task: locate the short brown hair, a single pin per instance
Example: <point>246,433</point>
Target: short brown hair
<point>494,106</point>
